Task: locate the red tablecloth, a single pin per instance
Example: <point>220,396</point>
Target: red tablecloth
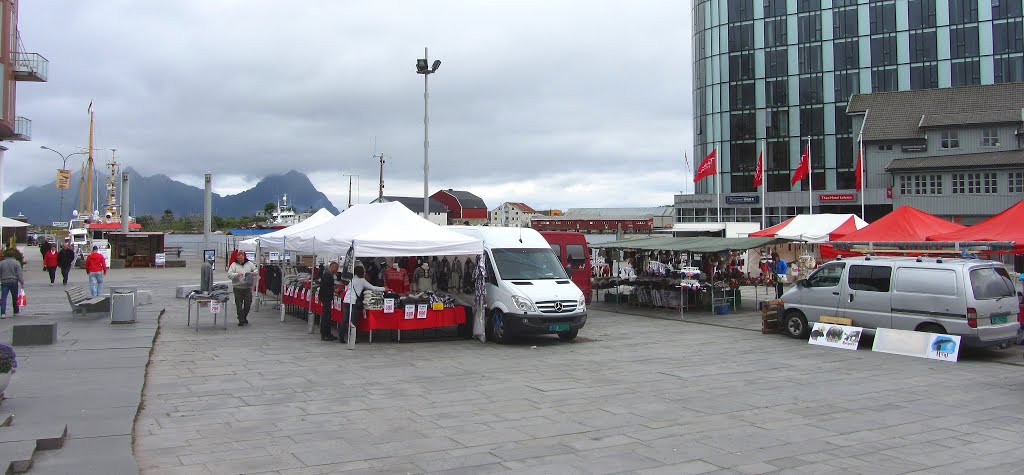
<point>378,320</point>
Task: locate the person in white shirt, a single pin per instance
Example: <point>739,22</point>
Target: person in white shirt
<point>354,293</point>
<point>241,272</point>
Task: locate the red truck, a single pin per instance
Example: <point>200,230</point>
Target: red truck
<point>571,248</point>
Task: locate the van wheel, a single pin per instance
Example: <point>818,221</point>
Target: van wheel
<point>498,331</point>
<point>569,335</point>
<point>796,325</point>
<point>931,328</point>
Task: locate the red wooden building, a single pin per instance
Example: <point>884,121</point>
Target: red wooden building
<point>463,207</point>
<point>594,224</point>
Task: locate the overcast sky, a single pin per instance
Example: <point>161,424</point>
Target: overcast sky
<point>557,104</point>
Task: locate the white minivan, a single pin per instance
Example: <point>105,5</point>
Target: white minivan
<point>528,290</point>
<point>975,299</point>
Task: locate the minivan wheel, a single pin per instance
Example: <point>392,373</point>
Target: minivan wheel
<point>569,335</point>
<point>931,328</point>
<point>796,324</point>
<point>498,330</point>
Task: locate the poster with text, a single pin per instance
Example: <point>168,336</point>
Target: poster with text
<point>214,306</point>
<point>421,310</point>
<point>410,312</point>
<point>389,305</point>
<point>835,336</point>
<point>275,256</point>
<point>160,259</point>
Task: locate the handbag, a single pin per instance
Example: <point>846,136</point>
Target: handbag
<point>22,298</point>
<point>783,279</point>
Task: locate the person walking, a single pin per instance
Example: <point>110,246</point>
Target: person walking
<point>65,259</point>
<point>50,263</point>
<point>45,246</point>
<point>326,296</point>
<point>96,267</point>
<point>241,273</point>
<point>781,269</point>
<point>10,277</point>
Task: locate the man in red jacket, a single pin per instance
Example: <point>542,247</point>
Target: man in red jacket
<point>96,266</point>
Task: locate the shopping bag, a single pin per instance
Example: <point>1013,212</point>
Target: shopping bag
<point>783,278</point>
<point>22,298</point>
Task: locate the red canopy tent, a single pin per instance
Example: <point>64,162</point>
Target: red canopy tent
<point>1005,226</point>
<point>906,224</point>
<point>771,230</point>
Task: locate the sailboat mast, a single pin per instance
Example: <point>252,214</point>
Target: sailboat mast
<point>89,167</point>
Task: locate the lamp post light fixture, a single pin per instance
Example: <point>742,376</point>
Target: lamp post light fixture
<point>63,167</point>
<point>423,68</point>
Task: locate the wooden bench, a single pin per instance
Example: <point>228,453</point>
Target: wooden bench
<point>82,302</point>
<point>176,250</point>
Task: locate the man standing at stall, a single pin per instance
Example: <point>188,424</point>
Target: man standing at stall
<point>781,273</point>
<point>241,272</point>
<point>326,296</point>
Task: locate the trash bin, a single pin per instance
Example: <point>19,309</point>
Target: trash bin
<point>123,303</point>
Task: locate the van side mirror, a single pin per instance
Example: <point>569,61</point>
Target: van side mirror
<point>801,283</point>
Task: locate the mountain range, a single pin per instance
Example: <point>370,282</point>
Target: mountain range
<point>154,194</point>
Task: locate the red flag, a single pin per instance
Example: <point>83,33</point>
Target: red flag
<point>708,166</point>
<point>759,171</point>
<point>857,172</point>
<point>803,168</point>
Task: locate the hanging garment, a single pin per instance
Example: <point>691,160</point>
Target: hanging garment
<point>424,280</point>
<point>468,270</point>
<point>455,277</point>
<point>397,280</point>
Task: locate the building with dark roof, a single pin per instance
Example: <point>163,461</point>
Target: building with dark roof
<point>955,152</point>
<point>438,213</point>
<point>463,207</point>
<point>777,72</point>
<point>512,214</point>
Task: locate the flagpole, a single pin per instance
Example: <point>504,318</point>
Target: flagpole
<point>718,186</point>
<point>810,178</point>
<point>764,182</point>
<point>860,158</point>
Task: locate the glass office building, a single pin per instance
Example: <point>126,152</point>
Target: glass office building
<point>783,71</point>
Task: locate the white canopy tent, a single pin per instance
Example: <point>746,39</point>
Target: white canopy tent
<point>381,230</point>
<point>6,222</point>
<point>274,241</point>
<point>814,228</point>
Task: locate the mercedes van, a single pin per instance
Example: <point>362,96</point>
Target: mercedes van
<point>528,290</point>
<point>975,299</point>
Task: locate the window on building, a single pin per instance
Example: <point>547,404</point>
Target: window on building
<point>846,54</point>
<point>921,184</point>
<point>741,10</point>
<point>990,137</point>
<point>742,125</point>
<point>923,46</point>
<point>1002,9</point>
<point>774,8</point>
<point>741,96</point>
<point>922,13</point>
<point>777,93</point>
<point>924,76</point>
<point>741,66</point>
<point>963,11</point>
<point>884,79</point>
<point>778,122</point>
<point>1016,182</point>
<point>776,63</point>
<point>741,37</point>
<point>845,152</point>
<point>974,183</point>
<point>844,23</point>
<point>1009,69</point>
<point>963,42</point>
<point>811,90</point>
<point>949,139</point>
<point>808,5</point>
<point>846,84</point>
<point>844,122</point>
<point>883,50</point>
<point>886,147</point>
<point>967,72</point>
<point>808,27</point>
<point>883,17</point>
<point>809,58</point>
<point>775,32</point>
<point>1008,36</point>
<point>812,121</point>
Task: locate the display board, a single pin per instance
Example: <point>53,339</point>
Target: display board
<point>835,336</point>
<point>934,346</point>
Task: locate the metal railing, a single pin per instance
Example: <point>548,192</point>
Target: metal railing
<point>33,65</point>
<point>22,128</point>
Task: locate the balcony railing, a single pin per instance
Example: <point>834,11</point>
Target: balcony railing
<point>30,67</point>
<point>22,130</point>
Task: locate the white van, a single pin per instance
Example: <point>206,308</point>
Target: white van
<point>968,297</point>
<point>528,291</point>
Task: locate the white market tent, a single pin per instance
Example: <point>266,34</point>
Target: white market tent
<point>814,228</point>
<point>274,241</point>
<point>381,230</point>
<point>6,222</point>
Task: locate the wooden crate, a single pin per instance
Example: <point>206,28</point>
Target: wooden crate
<point>771,319</point>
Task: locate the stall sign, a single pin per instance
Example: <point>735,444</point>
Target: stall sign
<point>421,310</point>
<point>251,255</point>
<point>275,256</point>
<point>160,259</point>
<point>63,179</point>
<point>214,306</point>
<point>389,305</point>
<point>837,197</point>
<point>836,336</point>
<point>410,312</point>
<point>742,199</point>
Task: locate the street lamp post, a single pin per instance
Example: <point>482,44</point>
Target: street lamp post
<point>423,68</point>
<point>64,166</point>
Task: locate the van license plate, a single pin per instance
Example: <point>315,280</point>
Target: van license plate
<point>999,319</point>
<point>561,327</point>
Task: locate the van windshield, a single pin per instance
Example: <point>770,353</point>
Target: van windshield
<point>991,283</point>
<point>527,264</point>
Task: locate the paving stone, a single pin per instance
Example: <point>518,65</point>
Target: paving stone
<point>685,468</point>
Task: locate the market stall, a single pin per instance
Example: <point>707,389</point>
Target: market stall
<point>814,231</point>
<point>1007,226</point>
<point>892,233</point>
<point>391,231</point>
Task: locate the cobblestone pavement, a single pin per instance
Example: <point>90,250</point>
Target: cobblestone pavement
<point>635,395</point>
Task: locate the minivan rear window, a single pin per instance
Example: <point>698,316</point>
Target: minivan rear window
<point>870,278</point>
<point>991,283</point>
<point>913,280</point>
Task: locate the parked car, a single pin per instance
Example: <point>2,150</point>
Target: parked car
<point>528,291</point>
<point>975,299</point>
<point>571,249</point>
